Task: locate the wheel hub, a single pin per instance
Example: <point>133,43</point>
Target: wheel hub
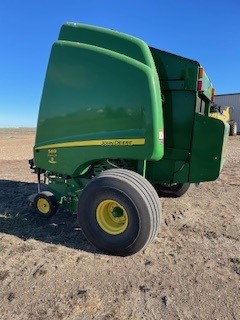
<point>112,217</point>
<point>43,205</point>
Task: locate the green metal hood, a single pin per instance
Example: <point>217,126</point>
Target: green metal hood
<point>98,102</point>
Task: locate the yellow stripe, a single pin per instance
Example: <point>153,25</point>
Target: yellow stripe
<point>89,143</point>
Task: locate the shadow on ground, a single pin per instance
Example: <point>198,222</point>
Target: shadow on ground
<point>19,219</point>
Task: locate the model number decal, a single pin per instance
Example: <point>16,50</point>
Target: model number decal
<point>52,155</point>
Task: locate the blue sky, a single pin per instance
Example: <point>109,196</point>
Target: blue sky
<point>206,31</point>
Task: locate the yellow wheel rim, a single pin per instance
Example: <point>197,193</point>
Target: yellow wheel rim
<point>43,205</point>
<point>112,217</point>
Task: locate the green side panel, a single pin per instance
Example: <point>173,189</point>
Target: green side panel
<point>96,104</point>
<point>178,79</point>
<point>208,148</point>
<point>175,72</point>
<point>108,39</point>
<point>164,171</point>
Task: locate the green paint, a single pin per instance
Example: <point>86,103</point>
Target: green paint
<point>93,93</point>
<point>108,95</point>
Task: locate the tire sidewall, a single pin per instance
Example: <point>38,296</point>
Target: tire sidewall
<point>51,201</point>
<point>175,191</point>
<point>233,128</point>
<point>134,237</point>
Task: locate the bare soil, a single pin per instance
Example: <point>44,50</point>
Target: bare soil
<point>49,271</point>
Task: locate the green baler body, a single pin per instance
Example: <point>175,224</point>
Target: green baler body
<point>108,95</point>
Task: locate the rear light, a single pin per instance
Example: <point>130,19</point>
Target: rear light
<point>199,85</point>
<point>200,79</point>
<point>200,72</point>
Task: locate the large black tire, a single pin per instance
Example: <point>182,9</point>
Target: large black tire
<point>119,212</point>
<point>173,191</point>
<point>45,204</point>
<point>233,128</point>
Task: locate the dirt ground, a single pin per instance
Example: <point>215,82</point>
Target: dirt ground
<point>49,271</point>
